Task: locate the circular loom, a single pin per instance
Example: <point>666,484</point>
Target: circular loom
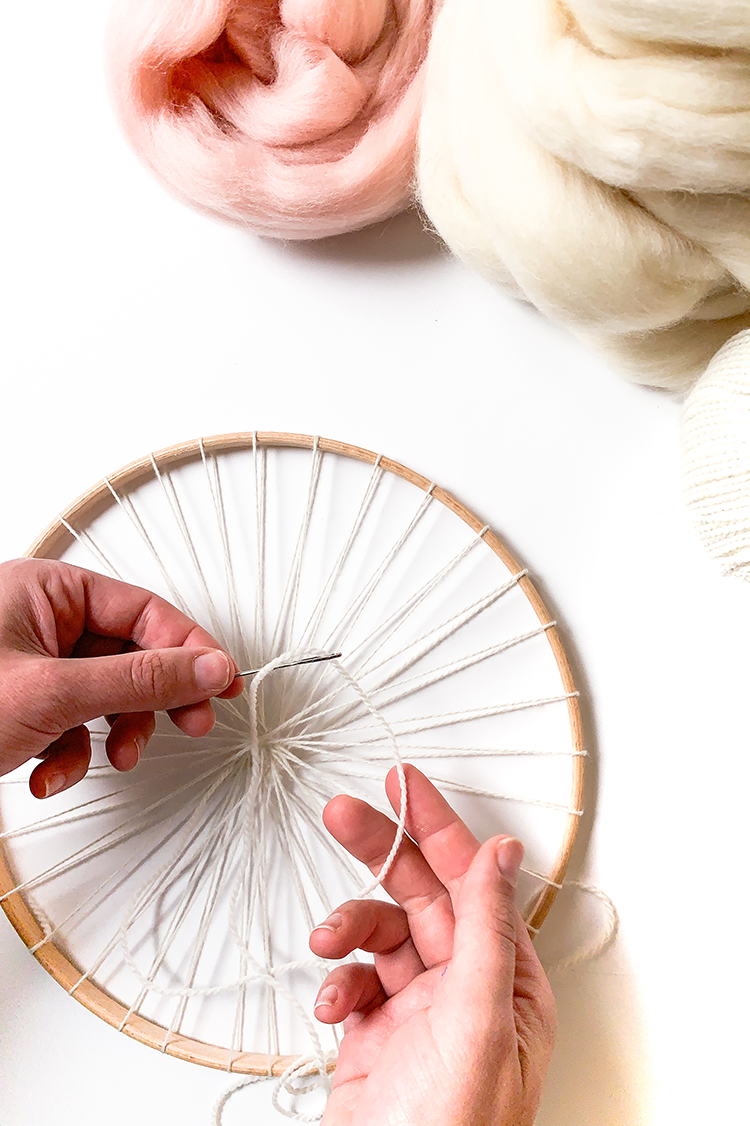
<point>175,902</point>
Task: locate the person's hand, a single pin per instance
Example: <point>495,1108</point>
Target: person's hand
<point>454,1023</point>
<point>125,654</point>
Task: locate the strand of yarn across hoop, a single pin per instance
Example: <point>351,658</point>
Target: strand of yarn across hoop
<point>295,119</point>
<point>215,850</point>
<point>592,157</point>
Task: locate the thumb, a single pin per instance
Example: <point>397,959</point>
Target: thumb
<point>483,967</point>
<point>148,680</point>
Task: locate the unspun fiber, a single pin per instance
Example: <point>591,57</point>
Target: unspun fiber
<point>594,158</point>
<point>297,118</point>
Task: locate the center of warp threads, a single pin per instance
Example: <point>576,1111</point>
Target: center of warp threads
<point>268,785</point>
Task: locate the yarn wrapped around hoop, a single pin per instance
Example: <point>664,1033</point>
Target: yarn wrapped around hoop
<point>176,904</point>
<point>593,157</point>
<point>297,118</point>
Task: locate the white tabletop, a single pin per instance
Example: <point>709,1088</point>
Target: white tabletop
<point>131,322</point>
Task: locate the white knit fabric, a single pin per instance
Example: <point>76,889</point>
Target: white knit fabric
<point>716,456</point>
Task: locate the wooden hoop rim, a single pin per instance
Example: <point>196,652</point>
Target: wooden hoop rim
<point>50,544</point>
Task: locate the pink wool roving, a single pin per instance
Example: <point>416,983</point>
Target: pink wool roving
<point>297,119</point>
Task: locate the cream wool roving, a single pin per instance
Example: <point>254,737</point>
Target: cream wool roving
<point>297,118</point>
<point>594,158</point>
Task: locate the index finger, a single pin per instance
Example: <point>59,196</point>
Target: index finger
<point>444,840</point>
<point>368,835</point>
<point>429,865</point>
<point>117,609</point>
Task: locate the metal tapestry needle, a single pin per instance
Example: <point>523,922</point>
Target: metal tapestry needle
<point>291,664</point>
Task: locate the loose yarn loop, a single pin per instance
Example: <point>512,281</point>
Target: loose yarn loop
<point>297,119</point>
<point>593,157</point>
<point>291,1082</point>
<point>599,943</point>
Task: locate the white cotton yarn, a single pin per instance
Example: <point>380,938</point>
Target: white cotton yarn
<point>716,456</point>
<point>594,158</point>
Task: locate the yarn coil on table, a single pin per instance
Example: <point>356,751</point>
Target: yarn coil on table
<point>594,159</point>
<point>716,456</point>
<point>295,119</point>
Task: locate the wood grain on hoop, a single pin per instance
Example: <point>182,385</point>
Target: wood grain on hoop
<point>51,543</point>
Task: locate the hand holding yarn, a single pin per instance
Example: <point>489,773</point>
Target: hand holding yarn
<point>75,645</point>
<point>454,1023</point>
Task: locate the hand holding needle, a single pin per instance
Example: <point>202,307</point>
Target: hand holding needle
<point>292,664</point>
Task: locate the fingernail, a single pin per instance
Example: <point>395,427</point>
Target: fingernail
<point>212,671</point>
<point>130,753</point>
<point>332,923</point>
<point>53,783</point>
<point>328,995</point>
<point>509,857</point>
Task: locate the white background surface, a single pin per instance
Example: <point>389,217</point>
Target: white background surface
<point>130,323</point>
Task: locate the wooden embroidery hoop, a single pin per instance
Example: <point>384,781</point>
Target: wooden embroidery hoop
<point>53,541</point>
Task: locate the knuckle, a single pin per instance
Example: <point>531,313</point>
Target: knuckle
<point>417,904</point>
<point>343,976</point>
<point>352,907</point>
<point>44,709</point>
<point>541,1010</point>
<point>485,1046</point>
<point>151,676</point>
<point>547,1013</point>
<point>32,716</point>
<point>502,928</point>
